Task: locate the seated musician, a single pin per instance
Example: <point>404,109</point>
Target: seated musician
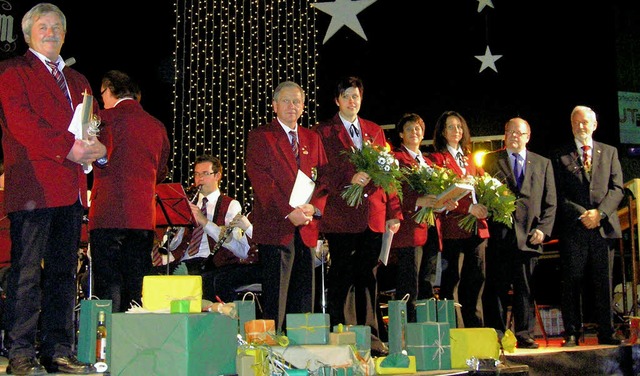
<point>216,249</point>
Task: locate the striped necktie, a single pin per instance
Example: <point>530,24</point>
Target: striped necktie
<point>57,75</point>
<point>294,146</point>
<point>586,158</point>
<point>198,232</point>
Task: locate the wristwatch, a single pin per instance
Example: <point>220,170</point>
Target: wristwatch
<point>317,213</point>
<point>603,215</point>
<point>102,161</point>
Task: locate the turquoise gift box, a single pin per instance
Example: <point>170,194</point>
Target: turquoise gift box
<point>308,328</point>
<point>397,325</point>
<point>363,336</point>
<point>430,343</point>
<point>188,344</point>
<point>432,310</point>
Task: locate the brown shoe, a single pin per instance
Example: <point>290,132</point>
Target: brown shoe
<point>24,365</point>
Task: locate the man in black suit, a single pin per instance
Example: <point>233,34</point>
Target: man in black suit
<point>590,188</point>
<point>512,253</point>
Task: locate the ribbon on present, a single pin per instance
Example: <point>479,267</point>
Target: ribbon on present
<point>437,343</point>
<point>308,327</point>
<point>264,335</point>
<point>274,362</point>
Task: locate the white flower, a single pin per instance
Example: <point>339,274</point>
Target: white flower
<point>386,168</point>
<point>381,160</point>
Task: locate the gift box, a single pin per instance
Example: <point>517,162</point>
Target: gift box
<point>363,335</point>
<point>429,342</point>
<point>397,324</point>
<point>426,310</point>
<point>89,310</point>
<point>261,332</point>
<point>252,361</point>
<point>383,365</point>
<point>335,371</point>
<point>481,343</point>
<point>344,338</point>
<point>188,344</point>
<point>308,328</point>
<point>158,291</point>
<point>447,312</point>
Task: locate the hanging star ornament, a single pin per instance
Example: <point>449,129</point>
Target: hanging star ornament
<point>344,13</point>
<point>484,3</point>
<point>488,60</point>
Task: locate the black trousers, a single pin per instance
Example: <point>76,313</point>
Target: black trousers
<point>42,280</point>
<point>586,259</point>
<point>510,268</point>
<point>121,259</point>
<point>463,276</point>
<point>354,261</point>
<point>288,284</point>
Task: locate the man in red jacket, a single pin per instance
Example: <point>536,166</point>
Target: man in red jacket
<point>354,233</point>
<point>123,199</point>
<point>45,193</point>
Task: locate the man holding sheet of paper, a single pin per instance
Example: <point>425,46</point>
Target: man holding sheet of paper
<point>285,163</point>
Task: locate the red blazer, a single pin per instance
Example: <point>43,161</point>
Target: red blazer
<point>271,168</point>
<point>123,193</point>
<point>411,234</point>
<point>450,228</point>
<point>35,117</point>
<point>378,206</point>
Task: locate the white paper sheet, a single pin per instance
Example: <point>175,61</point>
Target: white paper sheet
<point>302,190</point>
<point>387,237</point>
<point>75,127</point>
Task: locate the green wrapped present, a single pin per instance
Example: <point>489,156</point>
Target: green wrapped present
<point>426,310</point>
<point>429,342</point>
<point>447,312</point>
<point>246,310</point>
<point>308,328</point>
<point>397,324</point>
<point>363,335</point>
<point>187,344</point>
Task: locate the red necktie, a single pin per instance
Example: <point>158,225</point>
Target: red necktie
<point>586,159</point>
<point>198,232</point>
<point>57,75</point>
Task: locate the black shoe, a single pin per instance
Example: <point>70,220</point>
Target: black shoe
<point>570,341</point>
<point>610,340</point>
<point>376,353</point>
<point>527,343</point>
<point>24,365</point>
<point>67,364</point>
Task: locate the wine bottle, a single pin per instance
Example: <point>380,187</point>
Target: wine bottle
<point>101,339</point>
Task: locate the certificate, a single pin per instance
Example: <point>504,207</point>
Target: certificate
<point>455,192</point>
<point>302,190</point>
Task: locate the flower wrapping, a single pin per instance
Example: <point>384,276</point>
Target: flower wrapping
<point>498,199</point>
<point>428,180</point>
<point>380,164</point>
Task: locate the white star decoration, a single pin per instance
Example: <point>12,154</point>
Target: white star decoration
<point>344,13</point>
<point>483,3</point>
<point>488,60</point>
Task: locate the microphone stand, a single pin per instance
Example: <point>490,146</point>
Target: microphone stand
<point>170,225</point>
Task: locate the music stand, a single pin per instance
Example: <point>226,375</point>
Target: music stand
<point>172,201</point>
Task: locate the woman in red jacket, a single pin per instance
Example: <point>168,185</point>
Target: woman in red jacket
<point>464,284</point>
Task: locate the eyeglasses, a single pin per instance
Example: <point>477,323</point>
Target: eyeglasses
<point>203,174</point>
<point>516,133</point>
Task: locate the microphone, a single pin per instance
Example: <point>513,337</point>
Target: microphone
<point>70,61</point>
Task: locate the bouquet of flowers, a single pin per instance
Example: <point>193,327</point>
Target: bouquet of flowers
<point>380,165</point>
<point>498,199</point>
<point>428,180</point>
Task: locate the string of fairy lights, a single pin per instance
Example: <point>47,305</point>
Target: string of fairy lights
<point>229,57</point>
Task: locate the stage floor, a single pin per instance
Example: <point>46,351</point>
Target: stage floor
<point>550,359</point>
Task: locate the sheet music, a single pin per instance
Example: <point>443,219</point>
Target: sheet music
<point>302,190</point>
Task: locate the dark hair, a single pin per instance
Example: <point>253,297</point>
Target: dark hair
<point>440,141</point>
<point>347,82</point>
<point>215,162</point>
<point>406,118</point>
<point>121,85</point>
